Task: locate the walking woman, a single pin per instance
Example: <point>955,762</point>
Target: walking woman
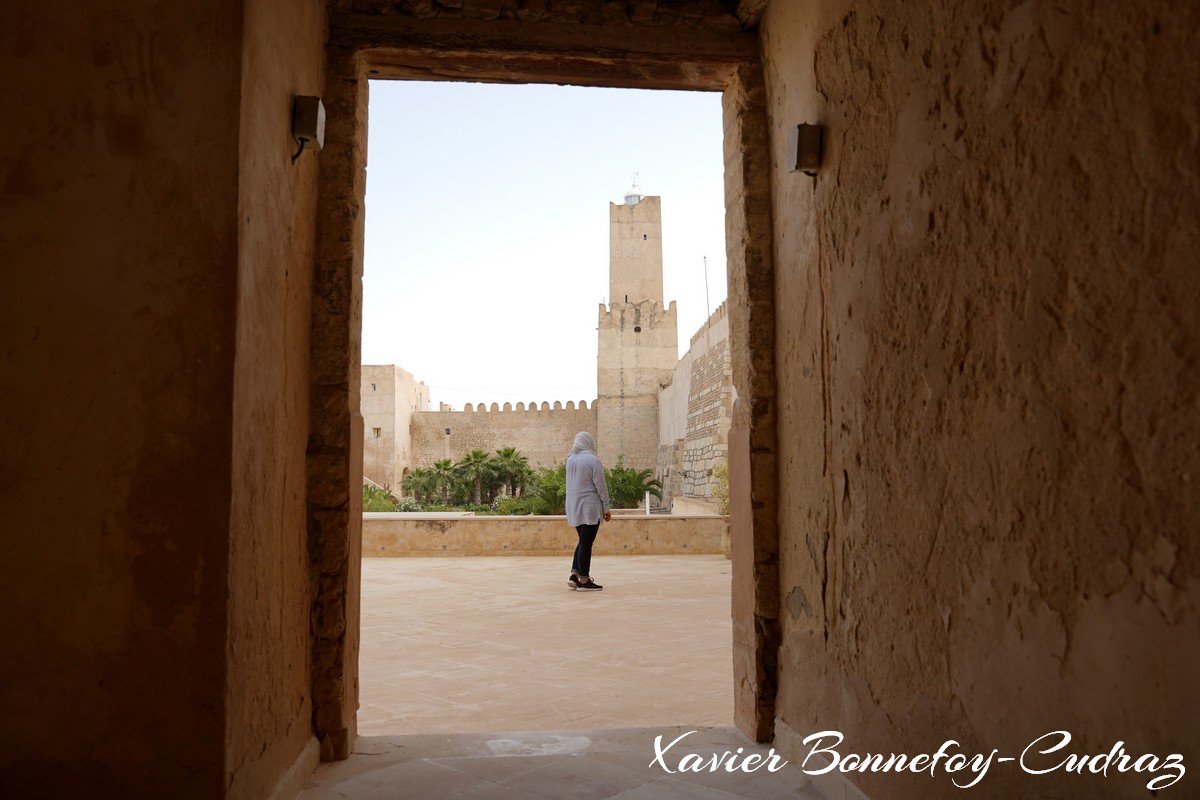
<point>587,504</point>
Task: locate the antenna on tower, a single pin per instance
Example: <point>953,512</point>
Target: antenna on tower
<point>707,304</point>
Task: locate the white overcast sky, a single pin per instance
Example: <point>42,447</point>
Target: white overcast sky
<point>487,227</point>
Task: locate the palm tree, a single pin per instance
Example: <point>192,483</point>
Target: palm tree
<point>474,466</point>
<point>627,486</point>
<point>511,466</point>
<point>420,483</point>
<point>522,479</point>
<point>552,488</point>
<point>443,472</point>
<point>408,484</point>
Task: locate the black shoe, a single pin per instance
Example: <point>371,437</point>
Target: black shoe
<point>573,581</point>
<point>588,585</point>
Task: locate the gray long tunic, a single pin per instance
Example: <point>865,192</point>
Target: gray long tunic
<point>587,493</point>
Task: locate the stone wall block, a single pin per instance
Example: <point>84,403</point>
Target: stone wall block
<point>752,439</point>
<point>327,472</point>
<point>336,434</point>
<point>330,618</point>
<point>330,404</point>
<point>329,555</point>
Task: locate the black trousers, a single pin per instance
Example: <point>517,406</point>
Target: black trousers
<point>582,562</point>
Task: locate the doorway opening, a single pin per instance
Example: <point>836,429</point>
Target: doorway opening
<point>361,49</point>
<point>487,253</point>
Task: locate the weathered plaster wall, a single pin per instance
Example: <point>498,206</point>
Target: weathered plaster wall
<point>673,403</point>
<point>268,679</point>
<point>335,443</point>
<point>753,481</point>
<point>119,244</point>
<point>543,433</point>
<point>987,381</point>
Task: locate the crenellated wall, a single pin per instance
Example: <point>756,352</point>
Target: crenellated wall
<point>543,433</point>
<point>682,431</point>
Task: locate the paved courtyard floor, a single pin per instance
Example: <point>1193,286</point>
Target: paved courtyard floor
<point>464,645</point>
<point>489,679</point>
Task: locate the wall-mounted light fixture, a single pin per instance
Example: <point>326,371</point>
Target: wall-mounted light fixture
<point>308,123</point>
<point>805,148</point>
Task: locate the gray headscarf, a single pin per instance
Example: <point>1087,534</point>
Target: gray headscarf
<point>584,443</point>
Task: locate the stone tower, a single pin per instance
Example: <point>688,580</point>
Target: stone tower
<point>638,341</point>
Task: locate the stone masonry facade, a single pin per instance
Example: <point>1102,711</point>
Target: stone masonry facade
<point>695,413</point>
<point>638,349</point>
<point>690,423</point>
<point>543,434</point>
<point>710,409</point>
<point>391,399</point>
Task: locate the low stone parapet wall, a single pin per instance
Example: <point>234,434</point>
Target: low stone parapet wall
<point>434,535</point>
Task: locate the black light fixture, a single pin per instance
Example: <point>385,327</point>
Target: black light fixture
<point>805,148</point>
<point>308,123</point>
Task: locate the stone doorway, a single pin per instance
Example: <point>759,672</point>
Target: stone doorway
<point>511,184</point>
<point>364,47</point>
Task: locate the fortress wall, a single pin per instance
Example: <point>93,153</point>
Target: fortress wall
<point>638,349</point>
<point>673,404</point>
<point>710,408</point>
<point>390,396</point>
<point>630,429</point>
<point>543,434</point>
<point>669,469</point>
<point>695,412</point>
<point>380,442</point>
<point>411,396</point>
<point>714,322</point>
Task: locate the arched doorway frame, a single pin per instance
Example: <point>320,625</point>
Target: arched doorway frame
<point>365,47</point>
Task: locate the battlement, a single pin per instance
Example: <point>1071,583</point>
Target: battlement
<point>543,432</point>
<point>716,317</point>
<point>534,407</point>
<point>650,307</point>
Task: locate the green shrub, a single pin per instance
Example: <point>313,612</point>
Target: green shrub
<point>721,488</point>
<point>376,499</point>
<point>520,506</point>
<point>408,504</point>
<point>627,486</point>
<point>552,488</point>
